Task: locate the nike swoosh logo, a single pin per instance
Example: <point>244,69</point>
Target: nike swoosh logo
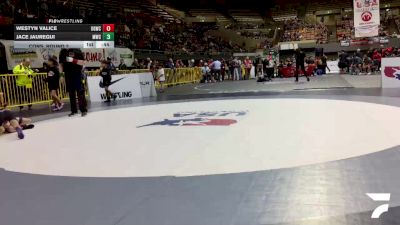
<point>115,81</point>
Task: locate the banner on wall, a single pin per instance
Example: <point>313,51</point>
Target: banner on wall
<point>345,43</point>
<point>364,41</point>
<point>126,86</point>
<point>288,46</point>
<point>93,56</point>
<point>366,18</point>
<point>390,72</point>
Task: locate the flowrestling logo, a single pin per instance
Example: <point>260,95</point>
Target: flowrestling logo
<point>219,118</point>
<point>379,197</point>
<point>392,72</point>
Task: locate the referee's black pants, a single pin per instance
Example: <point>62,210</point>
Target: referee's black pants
<point>81,100</point>
<point>302,67</point>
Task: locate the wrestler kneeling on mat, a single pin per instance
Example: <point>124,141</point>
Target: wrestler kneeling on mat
<point>11,124</point>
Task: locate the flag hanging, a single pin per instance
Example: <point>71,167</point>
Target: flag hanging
<point>366,18</point>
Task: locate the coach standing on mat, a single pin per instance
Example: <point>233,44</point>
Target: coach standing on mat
<point>300,56</point>
<point>71,61</point>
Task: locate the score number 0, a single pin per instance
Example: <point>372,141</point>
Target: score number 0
<point>108,27</point>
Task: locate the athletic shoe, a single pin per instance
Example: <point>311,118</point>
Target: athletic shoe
<point>61,106</point>
<point>20,133</point>
<point>55,109</point>
<point>297,80</point>
<point>368,73</point>
<point>72,114</point>
<point>114,97</point>
<point>28,127</point>
<point>308,79</point>
<point>107,101</point>
<point>83,114</point>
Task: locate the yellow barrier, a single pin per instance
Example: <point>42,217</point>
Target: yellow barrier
<point>182,76</point>
<point>19,96</point>
<point>39,94</point>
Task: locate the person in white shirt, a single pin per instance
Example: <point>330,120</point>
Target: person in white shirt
<point>148,63</point>
<point>161,77</point>
<point>216,67</point>
<point>236,68</point>
<point>205,70</point>
<point>270,67</point>
<point>191,63</point>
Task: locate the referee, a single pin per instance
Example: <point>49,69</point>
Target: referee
<point>300,56</point>
<point>71,62</point>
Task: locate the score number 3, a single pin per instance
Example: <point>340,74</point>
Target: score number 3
<point>108,36</point>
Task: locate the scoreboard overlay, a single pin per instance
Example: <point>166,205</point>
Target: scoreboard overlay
<point>64,36</point>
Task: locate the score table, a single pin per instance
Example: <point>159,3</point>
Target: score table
<point>64,36</point>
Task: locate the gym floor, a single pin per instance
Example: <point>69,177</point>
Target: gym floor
<point>224,153</point>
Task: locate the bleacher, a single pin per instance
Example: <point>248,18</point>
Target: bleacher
<point>116,6</point>
<point>157,11</point>
<point>344,29</point>
<point>283,15</point>
<point>397,21</point>
<point>246,16</point>
<point>298,30</point>
<point>211,13</point>
<point>328,5</point>
<point>390,3</point>
<point>203,12</point>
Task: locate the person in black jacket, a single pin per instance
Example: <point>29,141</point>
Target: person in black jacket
<point>343,62</point>
<point>300,56</point>
<point>324,61</point>
<point>105,73</point>
<point>72,61</point>
<point>53,83</point>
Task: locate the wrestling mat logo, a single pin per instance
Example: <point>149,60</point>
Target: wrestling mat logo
<point>392,72</point>
<point>219,118</point>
